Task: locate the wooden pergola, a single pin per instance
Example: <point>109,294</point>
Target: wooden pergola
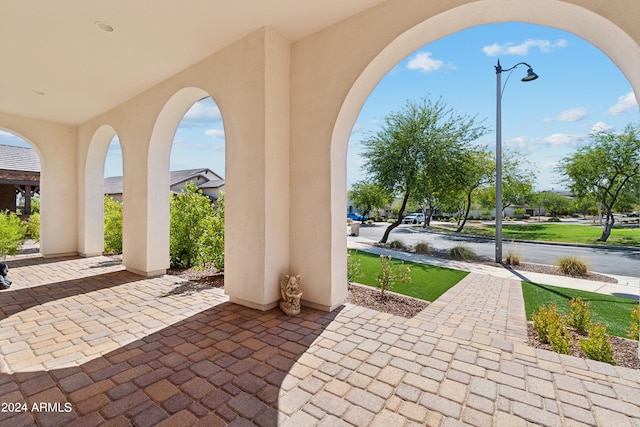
<point>19,174</point>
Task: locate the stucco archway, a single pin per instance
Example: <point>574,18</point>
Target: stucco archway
<point>54,145</point>
<point>91,215</point>
<point>156,183</point>
<point>366,47</point>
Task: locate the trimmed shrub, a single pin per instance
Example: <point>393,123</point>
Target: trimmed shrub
<point>423,248</point>
<point>572,266</point>
<point>12,234</point>
<point>598,345</point>
<point>196,230</point>
<point>553,219</point>
<point>551,329</point>
<point>462,253</point>
<point>32,226</point>
<point>580,317</point>
<point>634,332</point>
<point>112,226</point>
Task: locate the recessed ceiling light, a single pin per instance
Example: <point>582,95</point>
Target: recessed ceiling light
<point>104,26</point>
<point>37,92</point>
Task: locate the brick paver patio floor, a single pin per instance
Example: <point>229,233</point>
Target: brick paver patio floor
<point>85,343</point>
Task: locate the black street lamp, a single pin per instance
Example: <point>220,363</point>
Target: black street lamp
<point>499,90</point>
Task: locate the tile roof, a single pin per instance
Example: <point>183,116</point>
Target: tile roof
<point>113,184</point>
<point>19,158</point>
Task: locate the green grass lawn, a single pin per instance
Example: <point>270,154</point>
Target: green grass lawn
<point>428,282</point>
<point>613,312</point>
<point>557,232</point>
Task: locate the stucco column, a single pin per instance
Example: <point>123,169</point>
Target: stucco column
<point>145,207</point>
<point>56,147</point>
<point>257,171</point>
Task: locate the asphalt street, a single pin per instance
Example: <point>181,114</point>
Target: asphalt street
<point>606,260</point>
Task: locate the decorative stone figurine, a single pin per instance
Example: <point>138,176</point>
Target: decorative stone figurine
<point>291,293</point>
<point>5,283</point>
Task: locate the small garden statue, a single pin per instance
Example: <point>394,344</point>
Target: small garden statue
<point>5,283</point>
<point>291,293</point>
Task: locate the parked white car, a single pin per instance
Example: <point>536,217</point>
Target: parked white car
<point>414,218</point>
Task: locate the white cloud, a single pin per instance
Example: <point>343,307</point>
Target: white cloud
<point>520,142</point>
<point>600,127</point>
<point>215,133</point>
<point>509,48</point>
<point>561,139</point>
<point>202,113</point>
<point>570,115</point>
<point>425,63</point>
<point>625,103</point>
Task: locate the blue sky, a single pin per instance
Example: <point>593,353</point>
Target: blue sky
<point>579,90</point>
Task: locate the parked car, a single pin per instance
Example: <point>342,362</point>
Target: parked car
<point>356,216</point>
<point>414,218</point>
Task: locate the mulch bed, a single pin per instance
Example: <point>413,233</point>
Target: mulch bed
<point>625,351</point>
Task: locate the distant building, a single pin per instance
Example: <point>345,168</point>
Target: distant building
<point>208,181</point>
<point>19,174</point>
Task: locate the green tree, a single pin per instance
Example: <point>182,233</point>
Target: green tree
<point>518,179</point>
<point>112,226</point>
<point>555,204</point>
<point>604,168</point>
<point>367,196</point>
<point>411,147</point>
<point>12,234</point>
<point>475,169</point>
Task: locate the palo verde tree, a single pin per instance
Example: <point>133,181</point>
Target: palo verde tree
<point>413,142</point>
<point>604,168</point>
<point>367,196</point>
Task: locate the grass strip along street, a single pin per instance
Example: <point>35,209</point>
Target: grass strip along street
<point>554,232</point>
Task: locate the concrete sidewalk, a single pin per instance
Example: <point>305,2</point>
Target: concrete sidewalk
<point>626,287</point>
<point>85,343</point>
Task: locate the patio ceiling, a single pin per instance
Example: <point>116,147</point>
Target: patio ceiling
<point>58,65</point>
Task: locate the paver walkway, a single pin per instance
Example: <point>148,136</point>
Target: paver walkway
<point>85,343</point>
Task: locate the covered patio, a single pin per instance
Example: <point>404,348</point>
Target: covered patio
<point>98,345</point>
<point>289,78</point>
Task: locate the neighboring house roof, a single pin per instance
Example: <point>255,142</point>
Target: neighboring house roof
<point>113,184</point>
<point>19,159</point>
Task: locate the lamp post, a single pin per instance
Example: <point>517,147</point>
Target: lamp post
<point>499,90</point>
